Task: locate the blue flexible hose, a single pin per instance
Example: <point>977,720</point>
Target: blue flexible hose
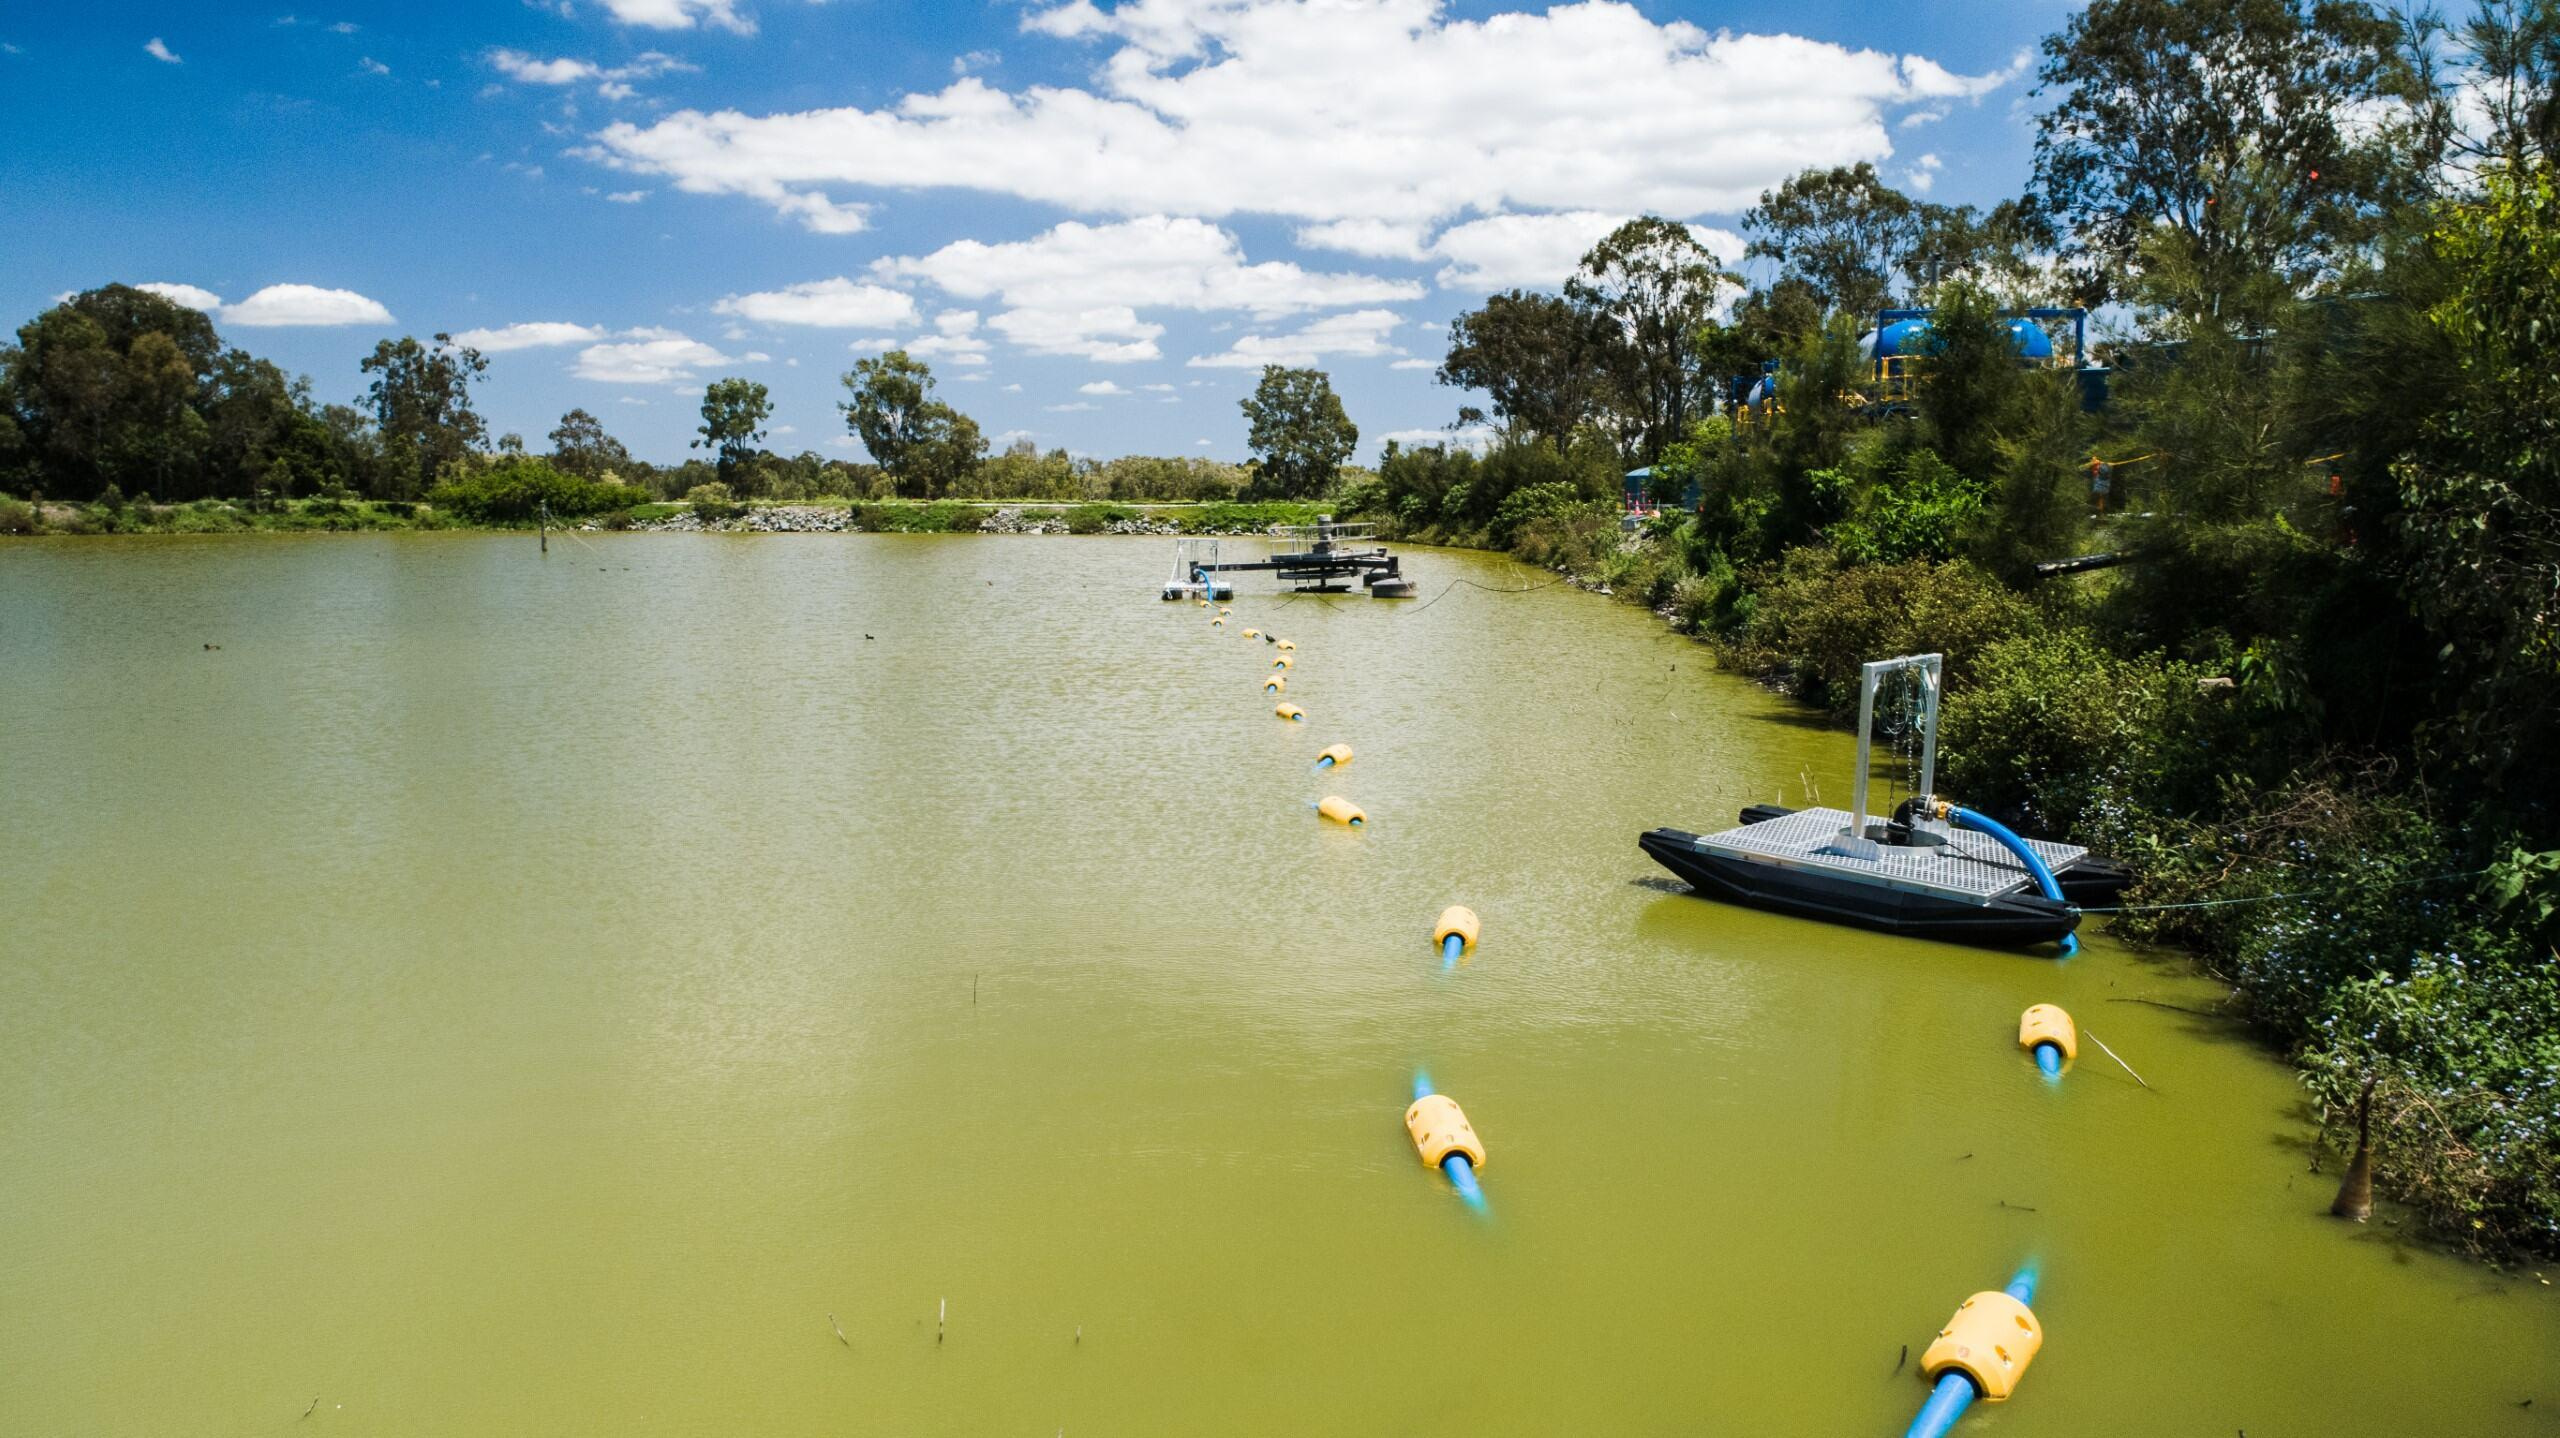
<point>1450,948</point>
<point>2008,839</point>
<point>1954,1391</point>
<point>2049,1059</point>
<point>1946,1404</point>
<point>1324,761</point>
<point>1462,1174</point>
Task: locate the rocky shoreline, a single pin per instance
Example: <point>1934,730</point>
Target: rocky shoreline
<point>831,519</point>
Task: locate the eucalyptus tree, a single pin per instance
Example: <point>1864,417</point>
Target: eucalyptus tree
<point>1541,359</point>
<point>1297,431</point>
<point>2257,136</point>
<point>1652,286</point>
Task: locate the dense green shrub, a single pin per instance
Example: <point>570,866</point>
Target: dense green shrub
<point>1548,499</point>
<point>1916,510</point>
<point>2366,939</point>
<point>2054,732</point>
<point>515,491</point>
<point>1817,621</point>
<point>713,502</point>
<point>1094,518</point>
<point>17,517</point>
<point>1228,518</point>
<point>2464,1048</point>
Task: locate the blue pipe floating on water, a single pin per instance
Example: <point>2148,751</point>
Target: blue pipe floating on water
<point>1954,1391</point>
<point>1451,947</point>
<point>2049,1060</point>
<point>1462,1173</point>
<point>2008,839</point>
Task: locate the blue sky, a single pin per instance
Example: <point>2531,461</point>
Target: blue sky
<point>1095,219</point>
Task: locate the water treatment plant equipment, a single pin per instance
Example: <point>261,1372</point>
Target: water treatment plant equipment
<point>1927,868</point>
<point>1326,558</point>
<point>1195,562</point>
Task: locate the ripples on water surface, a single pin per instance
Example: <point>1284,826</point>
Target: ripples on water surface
<point>501,995</point>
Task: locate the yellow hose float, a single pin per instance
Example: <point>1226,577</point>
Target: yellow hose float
<point>1218,623</point>
<point>1342,811</point>
<point>1332,756</point>
<point>1440,1128</point>
<point>1991,1340</point>
<point>1284,662</point>
<point>1275,683</point>
<point>1289,711</point>
<point>1457,922</point>
<point>1283,644</point>
<point>2048,1024</point>
<point>1253,634</point>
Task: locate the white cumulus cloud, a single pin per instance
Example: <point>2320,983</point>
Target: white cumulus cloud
<point>159,50</point>
<point>1361,334</point>
<point>1077,288</point>
<point>278,305</point>
<point>837,303</point>
<point>681,14</point>
<point>646,356</point>
<point>191,296</point>
<point>613,82</point>
<point>530,334</point>
<point>1100,386</point>
<point>1382,111</point>
<point>1540,251</point>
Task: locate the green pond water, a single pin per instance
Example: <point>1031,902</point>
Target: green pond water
<point>502,995</point>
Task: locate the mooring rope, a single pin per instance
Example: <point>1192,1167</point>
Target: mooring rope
<point>2270,898</point>
<point>1491,589</point>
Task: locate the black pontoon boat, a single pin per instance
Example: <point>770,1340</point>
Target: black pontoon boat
<point>1932,869</point>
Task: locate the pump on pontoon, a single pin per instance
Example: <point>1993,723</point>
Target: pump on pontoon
<point>1923,866</point>
<point>1195,573</point>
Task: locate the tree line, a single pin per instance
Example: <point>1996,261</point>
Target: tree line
<point>117,395</point>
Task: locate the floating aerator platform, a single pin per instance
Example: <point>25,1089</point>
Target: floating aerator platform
<point>1319,558</point>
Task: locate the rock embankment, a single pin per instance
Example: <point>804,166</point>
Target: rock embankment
<point>825,519</point>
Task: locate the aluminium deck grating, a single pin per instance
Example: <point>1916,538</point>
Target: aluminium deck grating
<point>1972,866</point>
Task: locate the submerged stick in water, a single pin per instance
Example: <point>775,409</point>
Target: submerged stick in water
<point>839,1328</point>
<point>2355,1194</point>
<point>2120,1063</point>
